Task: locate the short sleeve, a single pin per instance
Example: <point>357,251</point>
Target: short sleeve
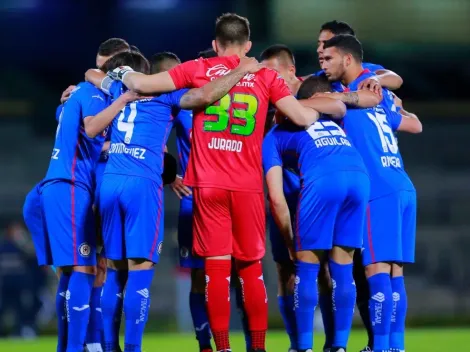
<point>278,88</point>
<point>183,74</point>
<point>174,98</point>
<point>372,67</point>
<point>58,112</point>
<point>395,120</point>
<point>92,102</point>
<point>271,156</point>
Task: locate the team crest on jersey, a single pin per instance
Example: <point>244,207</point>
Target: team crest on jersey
<point>184,252</point>
<point>105,132</point>
<point>84,249</point>
<point>159,248</point>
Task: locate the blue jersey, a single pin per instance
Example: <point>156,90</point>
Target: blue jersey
<point>337,86</point>
<point>75,154</point>
<point>372,132</point>
<point>183,125</point>
<point>311,153</point>
<point>139,135</point>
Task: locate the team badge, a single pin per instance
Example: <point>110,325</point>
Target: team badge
<point>84,250</point>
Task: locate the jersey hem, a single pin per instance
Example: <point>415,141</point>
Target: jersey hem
<point>228,188</point>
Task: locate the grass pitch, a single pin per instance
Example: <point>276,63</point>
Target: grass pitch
<point>419,340</point>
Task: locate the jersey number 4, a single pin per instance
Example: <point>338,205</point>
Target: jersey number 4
<point>387,137</point>
<point>245,115</point>
<point>127,126</point>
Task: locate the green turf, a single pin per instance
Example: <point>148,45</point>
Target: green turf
<point>425,340</point>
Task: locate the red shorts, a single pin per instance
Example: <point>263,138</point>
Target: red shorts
<point>229,223</point>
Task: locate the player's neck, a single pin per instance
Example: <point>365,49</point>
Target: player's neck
<point>231,51</point>
<point>351,74</point>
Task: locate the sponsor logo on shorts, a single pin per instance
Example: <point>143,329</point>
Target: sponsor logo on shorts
<point>84,249</point>
<point>159,248</point>
<point>184,252</point>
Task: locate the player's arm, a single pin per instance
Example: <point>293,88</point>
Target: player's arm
<point>278,204</point>
<point>216,89</point>
<point>96,124</point>
<point>106,146</point>
<point>389,79</point>
<point>296,112</point>
<point>409,122</point>
<point>324,105</point>
<point>358,99</point>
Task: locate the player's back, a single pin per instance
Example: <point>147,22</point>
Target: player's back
<point>139,135</point>
<point>75,154</point>
<point>372,133</point>
<point>321,149</point>
<point>228,135</point>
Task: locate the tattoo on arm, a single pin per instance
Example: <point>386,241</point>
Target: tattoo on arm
<point>350,98</point>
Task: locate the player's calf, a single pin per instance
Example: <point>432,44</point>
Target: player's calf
<point>112,303</point>
<point>236,285</point>
<point>325,302</point>
<point>285,299</point>
<point>400,306</point>
<point>95,324</point>
<point>197,305</point>
<point>343,293</point>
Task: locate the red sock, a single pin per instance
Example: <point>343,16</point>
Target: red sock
<point>255,301</point>
<point>218,300</point>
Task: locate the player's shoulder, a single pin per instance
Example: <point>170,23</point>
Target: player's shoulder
<point>372,67</point>
<point>88,90</point>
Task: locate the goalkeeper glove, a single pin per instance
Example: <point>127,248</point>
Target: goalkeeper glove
<point>119,72</point>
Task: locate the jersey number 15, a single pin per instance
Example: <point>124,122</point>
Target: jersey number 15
<point>245,115</point>
<point>387,137</point>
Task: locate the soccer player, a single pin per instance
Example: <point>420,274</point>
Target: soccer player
<point>224,170</point>
<point>183,123</point>
<point>330,211</point>
<point>134,168</point>
<point>389,241</point>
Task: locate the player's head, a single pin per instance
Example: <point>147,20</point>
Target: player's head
<point>341,53</point>
<point>134,48</point>
<point>232,35</point>
<point>206,54</point>
<point>163,61</point>
<point>328,30</point>
<point>281,59</point>
<point>110,47</point>
<point>128,58</point>
<point>312,85</point>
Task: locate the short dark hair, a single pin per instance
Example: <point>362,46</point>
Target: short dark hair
<point>128,58</point>
<point>348,44</point>
<point>231,28</point>
<point>279,51</point>
<point>134,48</point>
<point>113,46</point>
<point>206,54</point>
<point>312,85</point>
<point>158,60</point>
<point>337,27</point>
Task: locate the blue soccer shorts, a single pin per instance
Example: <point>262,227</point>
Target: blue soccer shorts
<point>131,210</point>
<point>390,231</point>
<point>70,223</point>
<point>331,211</point>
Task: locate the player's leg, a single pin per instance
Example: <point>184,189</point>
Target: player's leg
<point>237,287</point>
<point>362,298</point>
<point>116,274</point>
<point>249,247</point>
<point>212,235</point>
<point>382,233</point>
<point>400,301</point>
<point>325,302</point>
<point>353,188</point>
<point>144,228</point>
<point>71,228</point>
<point>285,281</point>
<point>197,301</point>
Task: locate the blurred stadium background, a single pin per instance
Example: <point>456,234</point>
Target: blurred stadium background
<point>48,45</point>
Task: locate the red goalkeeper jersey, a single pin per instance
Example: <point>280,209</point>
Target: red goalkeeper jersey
<point>227,136</point>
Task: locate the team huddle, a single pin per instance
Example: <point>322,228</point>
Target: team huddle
<point>342,219</point>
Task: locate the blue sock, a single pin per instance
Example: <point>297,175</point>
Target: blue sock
<point>400,305</point>
<point>111,308</point>
<point>136,307</point>
<point>326,308</point>
<point>286,307</point>
<point>61,312</point>
<point>305,301</point>
<point>344,301</point>
<point>95,324</point>
<point>197,305</point>
<point>380,309</point>
<point>78,308</point>
<point>243,317</point>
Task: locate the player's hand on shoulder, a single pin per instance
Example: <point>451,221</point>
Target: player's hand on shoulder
<point>397,101</point>
<point>371,84</point>
<point>66,94</point>
<point>179,188</point>
<point>249,65</point>
<point>119,72</point>
<point>130,96</point>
